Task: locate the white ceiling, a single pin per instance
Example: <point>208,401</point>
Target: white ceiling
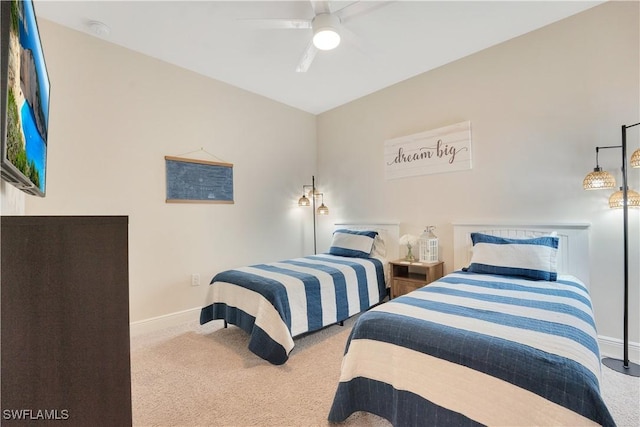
<point>393,42</point>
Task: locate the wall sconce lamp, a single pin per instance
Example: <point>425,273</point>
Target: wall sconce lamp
<point>624,198</point>
<point>309,199</point>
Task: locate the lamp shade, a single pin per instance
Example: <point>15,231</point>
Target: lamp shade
<point>323,210</point>
<point>635,159</point>
<point>598,179</point>
<point>616,201</point>
<point>304,201</point>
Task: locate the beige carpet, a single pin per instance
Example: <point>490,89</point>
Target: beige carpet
<point>205,376</point>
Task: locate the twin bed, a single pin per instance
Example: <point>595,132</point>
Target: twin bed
<point>276,302</point>
<point>508,338</point>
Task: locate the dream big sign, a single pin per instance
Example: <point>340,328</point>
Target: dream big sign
<point>445,149</point>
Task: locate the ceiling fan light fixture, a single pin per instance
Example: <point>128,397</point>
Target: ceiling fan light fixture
<point>326,39</point>
<point>325,31</point>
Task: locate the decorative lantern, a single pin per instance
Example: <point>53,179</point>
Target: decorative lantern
<point>428,245</point>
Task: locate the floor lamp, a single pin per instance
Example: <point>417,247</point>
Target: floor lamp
<point>308,199</point>
<point>625,198</point>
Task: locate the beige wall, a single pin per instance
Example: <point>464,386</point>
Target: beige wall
<point>115,114</point>
<point>12,200</point>
<point>538,106</point>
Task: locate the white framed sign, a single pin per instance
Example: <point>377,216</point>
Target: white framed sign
<point>446,149</point>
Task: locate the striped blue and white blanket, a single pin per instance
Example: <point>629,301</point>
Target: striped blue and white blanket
<point>278,301</point>
<point>477,349</point>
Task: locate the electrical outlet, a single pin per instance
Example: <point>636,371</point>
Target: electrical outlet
<point>195,279</point>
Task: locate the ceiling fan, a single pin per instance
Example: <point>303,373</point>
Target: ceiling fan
<point>327,26</point>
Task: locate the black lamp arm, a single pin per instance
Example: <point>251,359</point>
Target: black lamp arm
<point>597,168</point>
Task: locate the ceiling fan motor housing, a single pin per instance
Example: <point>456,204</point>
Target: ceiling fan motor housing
<point>325,31</point>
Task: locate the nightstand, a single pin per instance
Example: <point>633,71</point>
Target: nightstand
<point>408,276</point>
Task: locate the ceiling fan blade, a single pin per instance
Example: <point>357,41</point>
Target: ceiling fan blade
<point>278,24</point>
<point>360,8</point>
<point>320,6</point>
<point>307,58</point>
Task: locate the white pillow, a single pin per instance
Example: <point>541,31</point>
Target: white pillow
<point>534,258</point>
<point>353,243</point>
<point>379,247</point>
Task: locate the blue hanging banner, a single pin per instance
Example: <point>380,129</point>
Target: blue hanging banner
<point>198,181</point>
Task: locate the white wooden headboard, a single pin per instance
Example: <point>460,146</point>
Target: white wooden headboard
<point>390,232</point>
<point>573,247</point>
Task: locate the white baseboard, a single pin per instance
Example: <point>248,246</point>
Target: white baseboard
<point>614,347</point>
<point>165,321</point>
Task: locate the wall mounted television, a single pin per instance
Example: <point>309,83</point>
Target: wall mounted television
<point>24,99</point>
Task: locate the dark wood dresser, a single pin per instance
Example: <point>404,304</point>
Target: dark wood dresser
<point>65,321</point>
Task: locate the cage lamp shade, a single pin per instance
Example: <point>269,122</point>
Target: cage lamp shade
<point>598,179</point>
<point>616,201</point>
<point>323,210</point>
<point>635,159</point>
<point>304,201</point>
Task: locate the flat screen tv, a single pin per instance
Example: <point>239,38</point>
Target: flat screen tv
<point>24,99</point>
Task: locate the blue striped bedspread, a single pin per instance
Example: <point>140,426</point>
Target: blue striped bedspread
<point>477,349</point>
<point>278,301</point>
